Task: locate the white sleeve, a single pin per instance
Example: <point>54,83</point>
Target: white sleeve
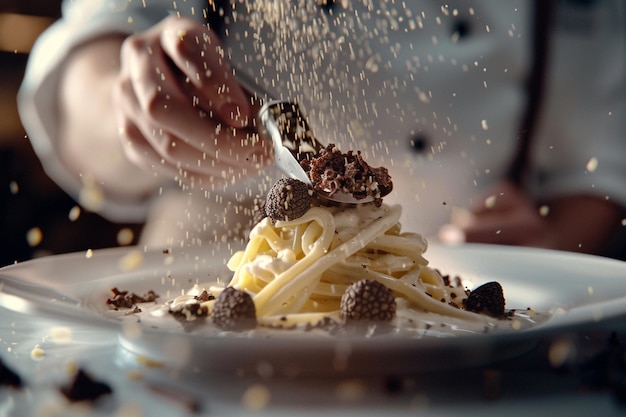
<point>82,20</point>
<point>580,146</point>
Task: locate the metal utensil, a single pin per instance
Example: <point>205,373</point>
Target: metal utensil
<point>294,142</point>
<point>291,136</point>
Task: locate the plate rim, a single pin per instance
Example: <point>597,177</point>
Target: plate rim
<point>14,272</point>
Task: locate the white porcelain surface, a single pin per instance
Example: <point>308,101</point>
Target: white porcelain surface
<point>586,294</point>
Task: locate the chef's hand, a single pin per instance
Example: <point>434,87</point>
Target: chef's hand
<point>180,111</point>
<point>506,215</point>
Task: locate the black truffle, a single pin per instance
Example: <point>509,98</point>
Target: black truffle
<point>234,310</point>
<point>288,199</point>
<point>368,300</point>
<point>487,299</point>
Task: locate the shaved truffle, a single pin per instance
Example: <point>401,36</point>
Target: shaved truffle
<point>234,310</point>
<point>85,388</point>
<point>288,199</point>
<point>487,299</point>
<point>8,377</point>
<point>192,309</point>
<point>127,299</point>
<point>333,171</point>
<point>368,300</point>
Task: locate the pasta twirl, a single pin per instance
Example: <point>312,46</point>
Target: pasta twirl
<point>298,270</point>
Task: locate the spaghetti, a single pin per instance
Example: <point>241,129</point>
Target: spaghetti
<point>298,270</point>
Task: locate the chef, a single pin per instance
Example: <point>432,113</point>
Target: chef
<point>500,122</point>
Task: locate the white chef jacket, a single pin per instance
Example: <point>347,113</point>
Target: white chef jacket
<point>434,92</point>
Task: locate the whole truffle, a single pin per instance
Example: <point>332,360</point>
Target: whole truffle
<point>487,299</point>
<point>368,300</point>
<point>234,310</point>
<point>288,199</point>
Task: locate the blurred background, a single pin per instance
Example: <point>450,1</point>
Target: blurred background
<point>36,217</point>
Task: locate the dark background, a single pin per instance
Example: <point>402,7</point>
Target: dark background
<point>28,198</point>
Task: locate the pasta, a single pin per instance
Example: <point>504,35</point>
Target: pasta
<point>313,264</point>
<point>298,270</point>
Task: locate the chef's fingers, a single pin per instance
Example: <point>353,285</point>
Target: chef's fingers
<point>521,225</point>
<point>198,54</point>
<point>213,151</point>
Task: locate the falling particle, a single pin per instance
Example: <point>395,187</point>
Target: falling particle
<point>256,398</point>
<point>89,254</point>
<point>559,353</point>
<point>74,213</point>
<point>181,34</point>
<point>34,237</point>
<point>14,188</point>
<point>37,354</point>
<point>451,234</point>
<point>61,334</point>
<point>623,222</point>
<point>125,236</point>
<point>590,290</point>
<point>544,210</point>
<point>91,195</point>
<point>483,124</point>
<point>131,261</point>
<point>350,391</point>
<point>490,201</point>
<point>592,165</point>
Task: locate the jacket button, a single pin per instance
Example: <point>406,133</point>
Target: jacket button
<point>326,5</point>
<point>418,143</point>
<point>460,29</point>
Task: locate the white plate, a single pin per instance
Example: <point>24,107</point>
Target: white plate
<point>579,291</point>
